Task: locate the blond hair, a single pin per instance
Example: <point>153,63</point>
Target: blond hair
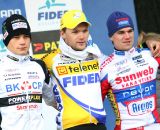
<point>143,37</point>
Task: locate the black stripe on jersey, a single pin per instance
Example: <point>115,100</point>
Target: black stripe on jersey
<point>20,99</point>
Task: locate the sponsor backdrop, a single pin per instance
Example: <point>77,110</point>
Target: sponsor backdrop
<point>44,19</point>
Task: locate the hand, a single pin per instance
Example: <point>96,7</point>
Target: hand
<point>154,46</point>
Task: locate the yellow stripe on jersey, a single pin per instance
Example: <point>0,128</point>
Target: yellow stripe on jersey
<point>73,114</point>
<point>48,59</point>
<point>112,99</point>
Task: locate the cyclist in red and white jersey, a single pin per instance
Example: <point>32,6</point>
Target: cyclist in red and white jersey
<point>128,77</point>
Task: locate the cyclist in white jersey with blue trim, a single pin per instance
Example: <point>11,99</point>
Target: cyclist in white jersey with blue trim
<point>128,77</point>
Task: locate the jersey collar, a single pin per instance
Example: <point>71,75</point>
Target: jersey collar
<point>17,58</point>
<point>123,53</point>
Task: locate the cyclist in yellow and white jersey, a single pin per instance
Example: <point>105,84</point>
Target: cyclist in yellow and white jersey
<point>75,67</point>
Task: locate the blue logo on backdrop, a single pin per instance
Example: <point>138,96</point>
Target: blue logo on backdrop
<point>50,15</point>
<point>9,7</point>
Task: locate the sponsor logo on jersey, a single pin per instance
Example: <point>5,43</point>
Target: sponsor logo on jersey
<point>11,70</point>
<point>11,76</point>
<point>81,79</point>
<point>139,91</point>
<point>33,75</point>
<point>137,57</point>
<point>135,78</point>
<point>120,63</point>
<point>135,93</point>
<point>138,60</point>
<point>122,71</point>
<point>24,86</point>
<point>140,107</point>
<point>24,99</point>
<point>91,66</point>
<point>107,61</point>
<point>57,97</point>
<point>25,107</point>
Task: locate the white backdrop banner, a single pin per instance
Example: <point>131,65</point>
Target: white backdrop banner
<point>45,14</point>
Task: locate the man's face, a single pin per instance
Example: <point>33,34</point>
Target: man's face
<point>76,38</point>
<point>123,39</point>
<point>19,45</point>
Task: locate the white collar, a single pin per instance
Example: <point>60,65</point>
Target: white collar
<point>15,57</point>
<point>91,48</point>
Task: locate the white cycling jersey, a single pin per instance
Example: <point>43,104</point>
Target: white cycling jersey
<point>129,78</point>
<point>22,79</point>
